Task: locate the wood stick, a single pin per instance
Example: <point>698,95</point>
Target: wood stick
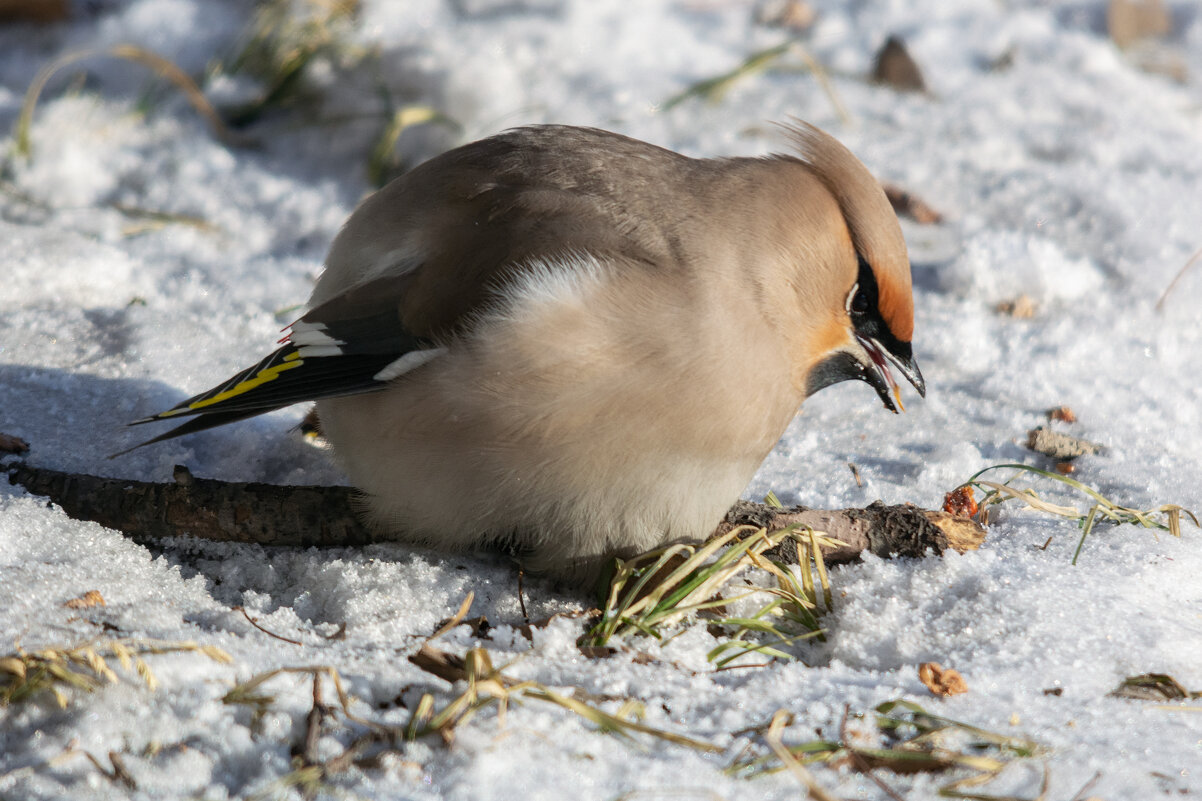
<point>226,511</point>
<point>886,531</point>
<point>306,516</point>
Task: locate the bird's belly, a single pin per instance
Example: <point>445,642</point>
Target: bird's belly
<point>566,485</point>
<point>571,435</point>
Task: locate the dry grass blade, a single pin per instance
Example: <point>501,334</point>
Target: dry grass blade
<point>286,37</point>
<point>148,220</point>
<point>820,568</point>
<point>792,604</point>
<point>308,779</point>
<point>455,619</point>
<point>713,89</point>
<point>1180,273</point>
<point>117,774</point>
<point>914,741</point>
<point>824,81</point>
<point>773,738</point>
<point>1028,496</point>
<point>654,591</point>
<point>383,164</point>
<point>487,684</point>
<point>160,65</point>
<point>902,715</point>
<point>84,667</point>
<point>617,723</point>
<point>1166,517</point>
<point>248,693</point>
<point>123,655</point>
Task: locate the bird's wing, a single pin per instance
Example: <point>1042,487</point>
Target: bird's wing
<point>352,343</point>
<point>486,213</point>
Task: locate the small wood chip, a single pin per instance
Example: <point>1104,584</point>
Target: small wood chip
<point>941,682</point>
<point>1063,414</point>
<point>1023,307</point>
<point>1060,447</point>
<point>795,15</point>
<point>11,444</point>
<point>960,502</point>
<point>895,67</point>
<point>88,599</point>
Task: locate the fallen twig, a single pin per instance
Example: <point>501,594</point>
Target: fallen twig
<point>1168,290</point>
<point>262,514</point>
<point>314,516</point>
<point>255,623</point>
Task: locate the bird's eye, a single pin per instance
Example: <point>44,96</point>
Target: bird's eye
<point>859,302</point>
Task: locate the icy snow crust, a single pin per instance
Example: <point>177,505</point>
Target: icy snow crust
<point>1069,176</point>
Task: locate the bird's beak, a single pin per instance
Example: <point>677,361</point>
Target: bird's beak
<point>875,370</point>
<point>878,374</point>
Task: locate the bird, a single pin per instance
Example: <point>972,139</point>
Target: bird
<point>577,346</point>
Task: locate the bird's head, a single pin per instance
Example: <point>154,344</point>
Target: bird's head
<point>868,307</point>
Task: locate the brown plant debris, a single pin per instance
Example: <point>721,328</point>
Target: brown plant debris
<point>1023,307</point>
<point>908,205</point>
<point>487,685</point>
<point>255,623</point>
<point>1130,21</point>
<point>1164,296</point>
<point>960,502</point>
<point>11,444</point>
<point>1058,446</point>
<point>443,664</point>
<point>895,67</point>
<point>88,599</point>
<point>1153,687</point>
<point>118,775</point>
<point>311,516</point>
<point>163,67</point>
<point>1063,414</point>
<point>54,670</point>
<point>794,15</point>
<point>909,740</point>
<point>940,681</point>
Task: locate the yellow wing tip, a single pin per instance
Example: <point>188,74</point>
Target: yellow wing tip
<point>242,387</point>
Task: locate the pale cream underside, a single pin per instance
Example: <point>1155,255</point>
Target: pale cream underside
<point>607,408</point>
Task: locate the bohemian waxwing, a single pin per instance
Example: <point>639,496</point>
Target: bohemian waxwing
<point>580,345</point>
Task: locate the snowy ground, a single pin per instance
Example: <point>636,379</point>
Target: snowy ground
<point>1066,174</point>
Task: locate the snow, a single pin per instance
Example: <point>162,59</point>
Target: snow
<point>1069,175</point>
